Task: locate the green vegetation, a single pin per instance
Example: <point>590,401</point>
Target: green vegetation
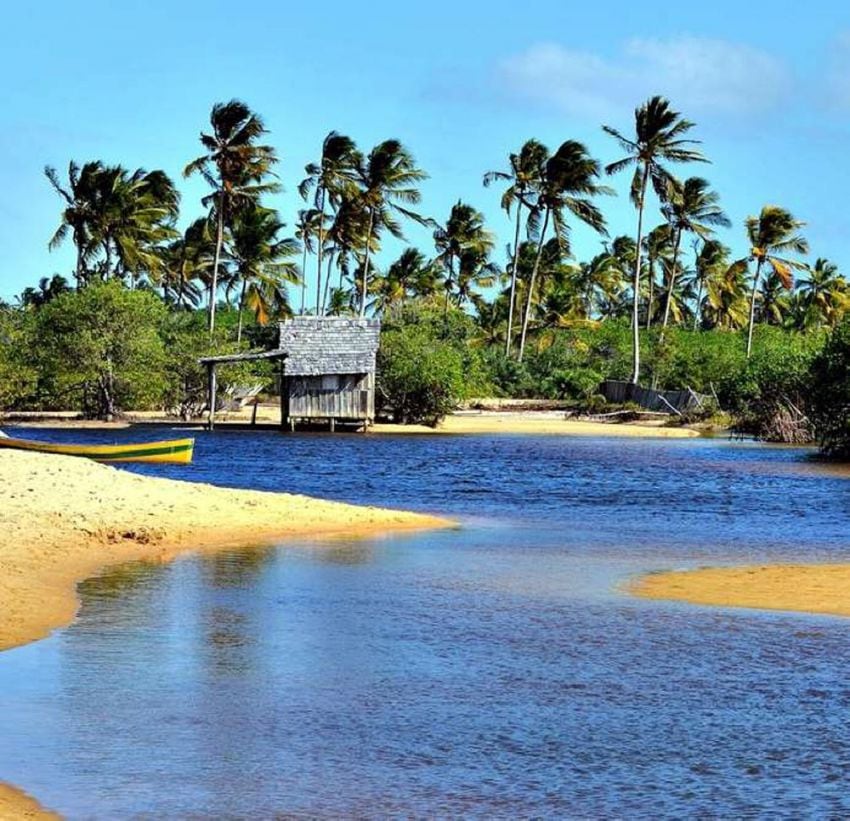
<point>669,307</point>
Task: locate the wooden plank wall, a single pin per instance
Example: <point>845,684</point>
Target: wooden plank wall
<point>334,396</point>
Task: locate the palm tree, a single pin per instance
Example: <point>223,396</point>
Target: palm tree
<point>188,261</point>
<point>306,228</point>
<point>262,263</point>
<point>526,172</point>
<point>464,238</point>
<point>235,166</point>
<point>711,262</point>
<point>48,289</point>
<point>595,282</point>
<point>568,184</point>
<point>329,180</point>
<point>659,138</point>
<point>77,215</point>
<point>825,292</point>
<point>772,232</point>
<point>725,305</point>
<point>388,178</point>
<point>691,207</point>
<point>657,247</point>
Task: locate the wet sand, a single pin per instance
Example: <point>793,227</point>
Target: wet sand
<point>536,423</point>
<point>62,519</point>
<point>817,588</point>
<point>16,804</point>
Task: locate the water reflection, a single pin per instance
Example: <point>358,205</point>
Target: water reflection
<point>492,671</point>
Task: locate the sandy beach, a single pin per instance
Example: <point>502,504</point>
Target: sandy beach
<point>63,519</point>
<point>816,588</point>
<point>15,805</point>
<point>532,423</point>
<point>536,423</point>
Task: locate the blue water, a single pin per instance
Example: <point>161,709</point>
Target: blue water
<point>494,670</point>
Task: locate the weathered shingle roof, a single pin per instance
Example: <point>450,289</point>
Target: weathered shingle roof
<point>329,344</point>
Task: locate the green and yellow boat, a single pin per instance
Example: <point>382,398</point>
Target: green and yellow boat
<point>169,451</point>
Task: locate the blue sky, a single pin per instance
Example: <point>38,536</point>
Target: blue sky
<point>461,84</point>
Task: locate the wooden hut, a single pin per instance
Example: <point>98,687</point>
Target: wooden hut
<point>327,370</point>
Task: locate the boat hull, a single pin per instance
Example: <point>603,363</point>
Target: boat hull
<point>172,451</point>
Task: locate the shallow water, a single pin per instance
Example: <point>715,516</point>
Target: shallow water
<point>496,670</point>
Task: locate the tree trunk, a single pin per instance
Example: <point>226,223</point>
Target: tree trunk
<point>239,312</point>
<point>636,283</point>
<point>672,282</point>
<point>753,307</point>
<point>651,276</point>
<point>219,239</point>
<point>304,278</point>
<point>108,251</point>
<point>365,283</point>
<point>698,308</point>
<point>327,285</point>
<point>78,269</point>
<point>508,339</point>
<point>530,296</point>
<point>320,252</point>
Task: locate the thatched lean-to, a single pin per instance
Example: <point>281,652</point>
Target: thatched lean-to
<point>327,370</point>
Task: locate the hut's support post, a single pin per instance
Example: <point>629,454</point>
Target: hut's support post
<point>333,425</point>
<point>211,392</point>
<point>254,412</point>
<point>285,420</point>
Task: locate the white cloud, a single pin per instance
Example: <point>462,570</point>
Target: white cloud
<point>699,75</point>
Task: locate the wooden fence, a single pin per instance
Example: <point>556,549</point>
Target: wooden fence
<point>678,402</point>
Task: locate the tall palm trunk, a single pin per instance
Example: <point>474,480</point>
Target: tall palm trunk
<point>327,284</point>
<point>753,307</point>
<point>698,308</point>
<point>530,296</point>
<point>219,239</point>
<point>366,264</point>
<point>241,306</point>
<point>508,335</point>
<point>671,284</point>
<point>320,252</point>
<point>304,278</point>
<point>449,284</point>
<point>650,260</point>
<point>78,268</point>
<point>636,284</point>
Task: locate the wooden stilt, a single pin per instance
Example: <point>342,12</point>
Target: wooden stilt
<point>211,386</point>
<point>333,425</point>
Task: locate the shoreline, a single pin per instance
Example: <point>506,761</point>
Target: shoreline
<point>64,519</point>
<point>17,804</point>
<point>510,422</point>
<point>815,589</point>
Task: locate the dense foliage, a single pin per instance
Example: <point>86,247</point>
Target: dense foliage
<point>830,397</point>
<point>665,304</point>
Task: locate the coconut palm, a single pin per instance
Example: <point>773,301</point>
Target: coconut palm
<point>463,242</point>
<point>526,172</point>
<point>771,233</point>
<point>388,177</point>
<point>306,231</point>
<point>235,166</point>
<point>328,181</point>
<point>188,262</point>
<point>568,184</point>
<point>657,248</point>
<point>691,207</point>
<point>711,262</point>
<point>48,289</point>
<point>79,196</point>
<point>659,139</point>
<point>262,263</point>
<point>825,292</point>
<point>596,282</point>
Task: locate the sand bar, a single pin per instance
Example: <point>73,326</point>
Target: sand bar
<point>16,804</point>
<point>807,588</point>
<point>63,518</point>
<point>536,423</point>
